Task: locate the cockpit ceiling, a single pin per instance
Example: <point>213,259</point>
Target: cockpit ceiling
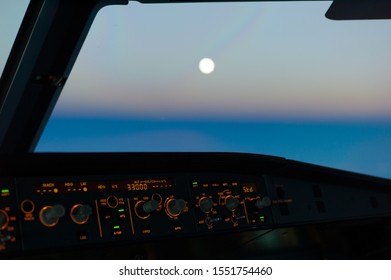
<point>339,9</point>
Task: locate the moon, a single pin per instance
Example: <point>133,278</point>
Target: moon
<point>206,65</point>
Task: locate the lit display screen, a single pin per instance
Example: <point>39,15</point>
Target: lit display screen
<point>88,186</point>
<point>144,185</point>
<point>249,188</point>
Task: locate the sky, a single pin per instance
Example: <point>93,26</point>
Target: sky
<point>287,82</point>
<point>272,60</point>
<point>11,15</point>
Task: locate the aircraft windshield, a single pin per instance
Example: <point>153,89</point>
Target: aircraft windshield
<point>10,19</point>
<point>281,80</point>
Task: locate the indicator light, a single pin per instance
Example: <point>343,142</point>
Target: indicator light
<point>121,210</point>
<point>262,217</point>
<point>5,191</point>
<point>195,183</point>
<point>116,227</point>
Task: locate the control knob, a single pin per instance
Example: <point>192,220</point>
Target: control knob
<point>80,213</point>
<point>50,215</point>
<point>144,208</point>
<point>206,204</point>
<point>231,202</point>
<point>3,219</point>
<point>264,202</point>
<point>175,206</point>
<point>150,206</point>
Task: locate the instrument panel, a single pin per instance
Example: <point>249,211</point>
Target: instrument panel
<point>88,207</point>
<point>79,210</point>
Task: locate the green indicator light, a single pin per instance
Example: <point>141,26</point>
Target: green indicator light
<point>262,217</point>
<point>5,191</point>
<point>121,210</point>
<point>195,183</point>
<point>116,227</point>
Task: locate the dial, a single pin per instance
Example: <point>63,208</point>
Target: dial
<point>206,204</point>
<point>3,219</point>
<point>50,215</point>
<point>80,213</point>
<point>231,202</point>
<point>150,206</point>
<point>143,209</point>
<point>175,206</point>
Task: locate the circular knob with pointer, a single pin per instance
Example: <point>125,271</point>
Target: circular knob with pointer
<point>80,213</point>
<point>175,206</point>
<point>50,215</point>
<point>150,206</point>
<point>3,219</point>
<point>206,204</point>
<point>231,202</point>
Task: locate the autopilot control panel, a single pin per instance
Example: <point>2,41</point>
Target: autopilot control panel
<point>88,207</point>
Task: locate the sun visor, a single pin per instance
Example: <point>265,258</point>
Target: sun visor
<point>359,9</point>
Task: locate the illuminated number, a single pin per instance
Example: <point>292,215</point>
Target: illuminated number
<point>137,187</point>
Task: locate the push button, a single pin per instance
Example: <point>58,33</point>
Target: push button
<point>146,231</point>
<point>5,192</point>
<point>176,227</point>
<point>107,214</point>
<point>121,214</point>
<point>82,236</point>
<point>27,206</point>
<point>117,231</point>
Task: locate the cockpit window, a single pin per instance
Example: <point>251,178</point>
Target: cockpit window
<point>10,19</point>
<point>269,78</point>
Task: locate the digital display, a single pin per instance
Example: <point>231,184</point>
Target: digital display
<point>145,185</point>
<point>249,188</point>
<point>98,186</point>
<point>65,187</point>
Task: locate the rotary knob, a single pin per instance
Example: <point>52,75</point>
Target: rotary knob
<point>264,202</point>
<point>206,204</point>
<point>80,213</point>
<point>50,215</point>
<point>175,206</point>
<point>150,206</point>
<point>231,202</point>
<point>143,208</point>
<point>3,219</point>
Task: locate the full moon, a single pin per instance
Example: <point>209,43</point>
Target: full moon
<point>206,66</point>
